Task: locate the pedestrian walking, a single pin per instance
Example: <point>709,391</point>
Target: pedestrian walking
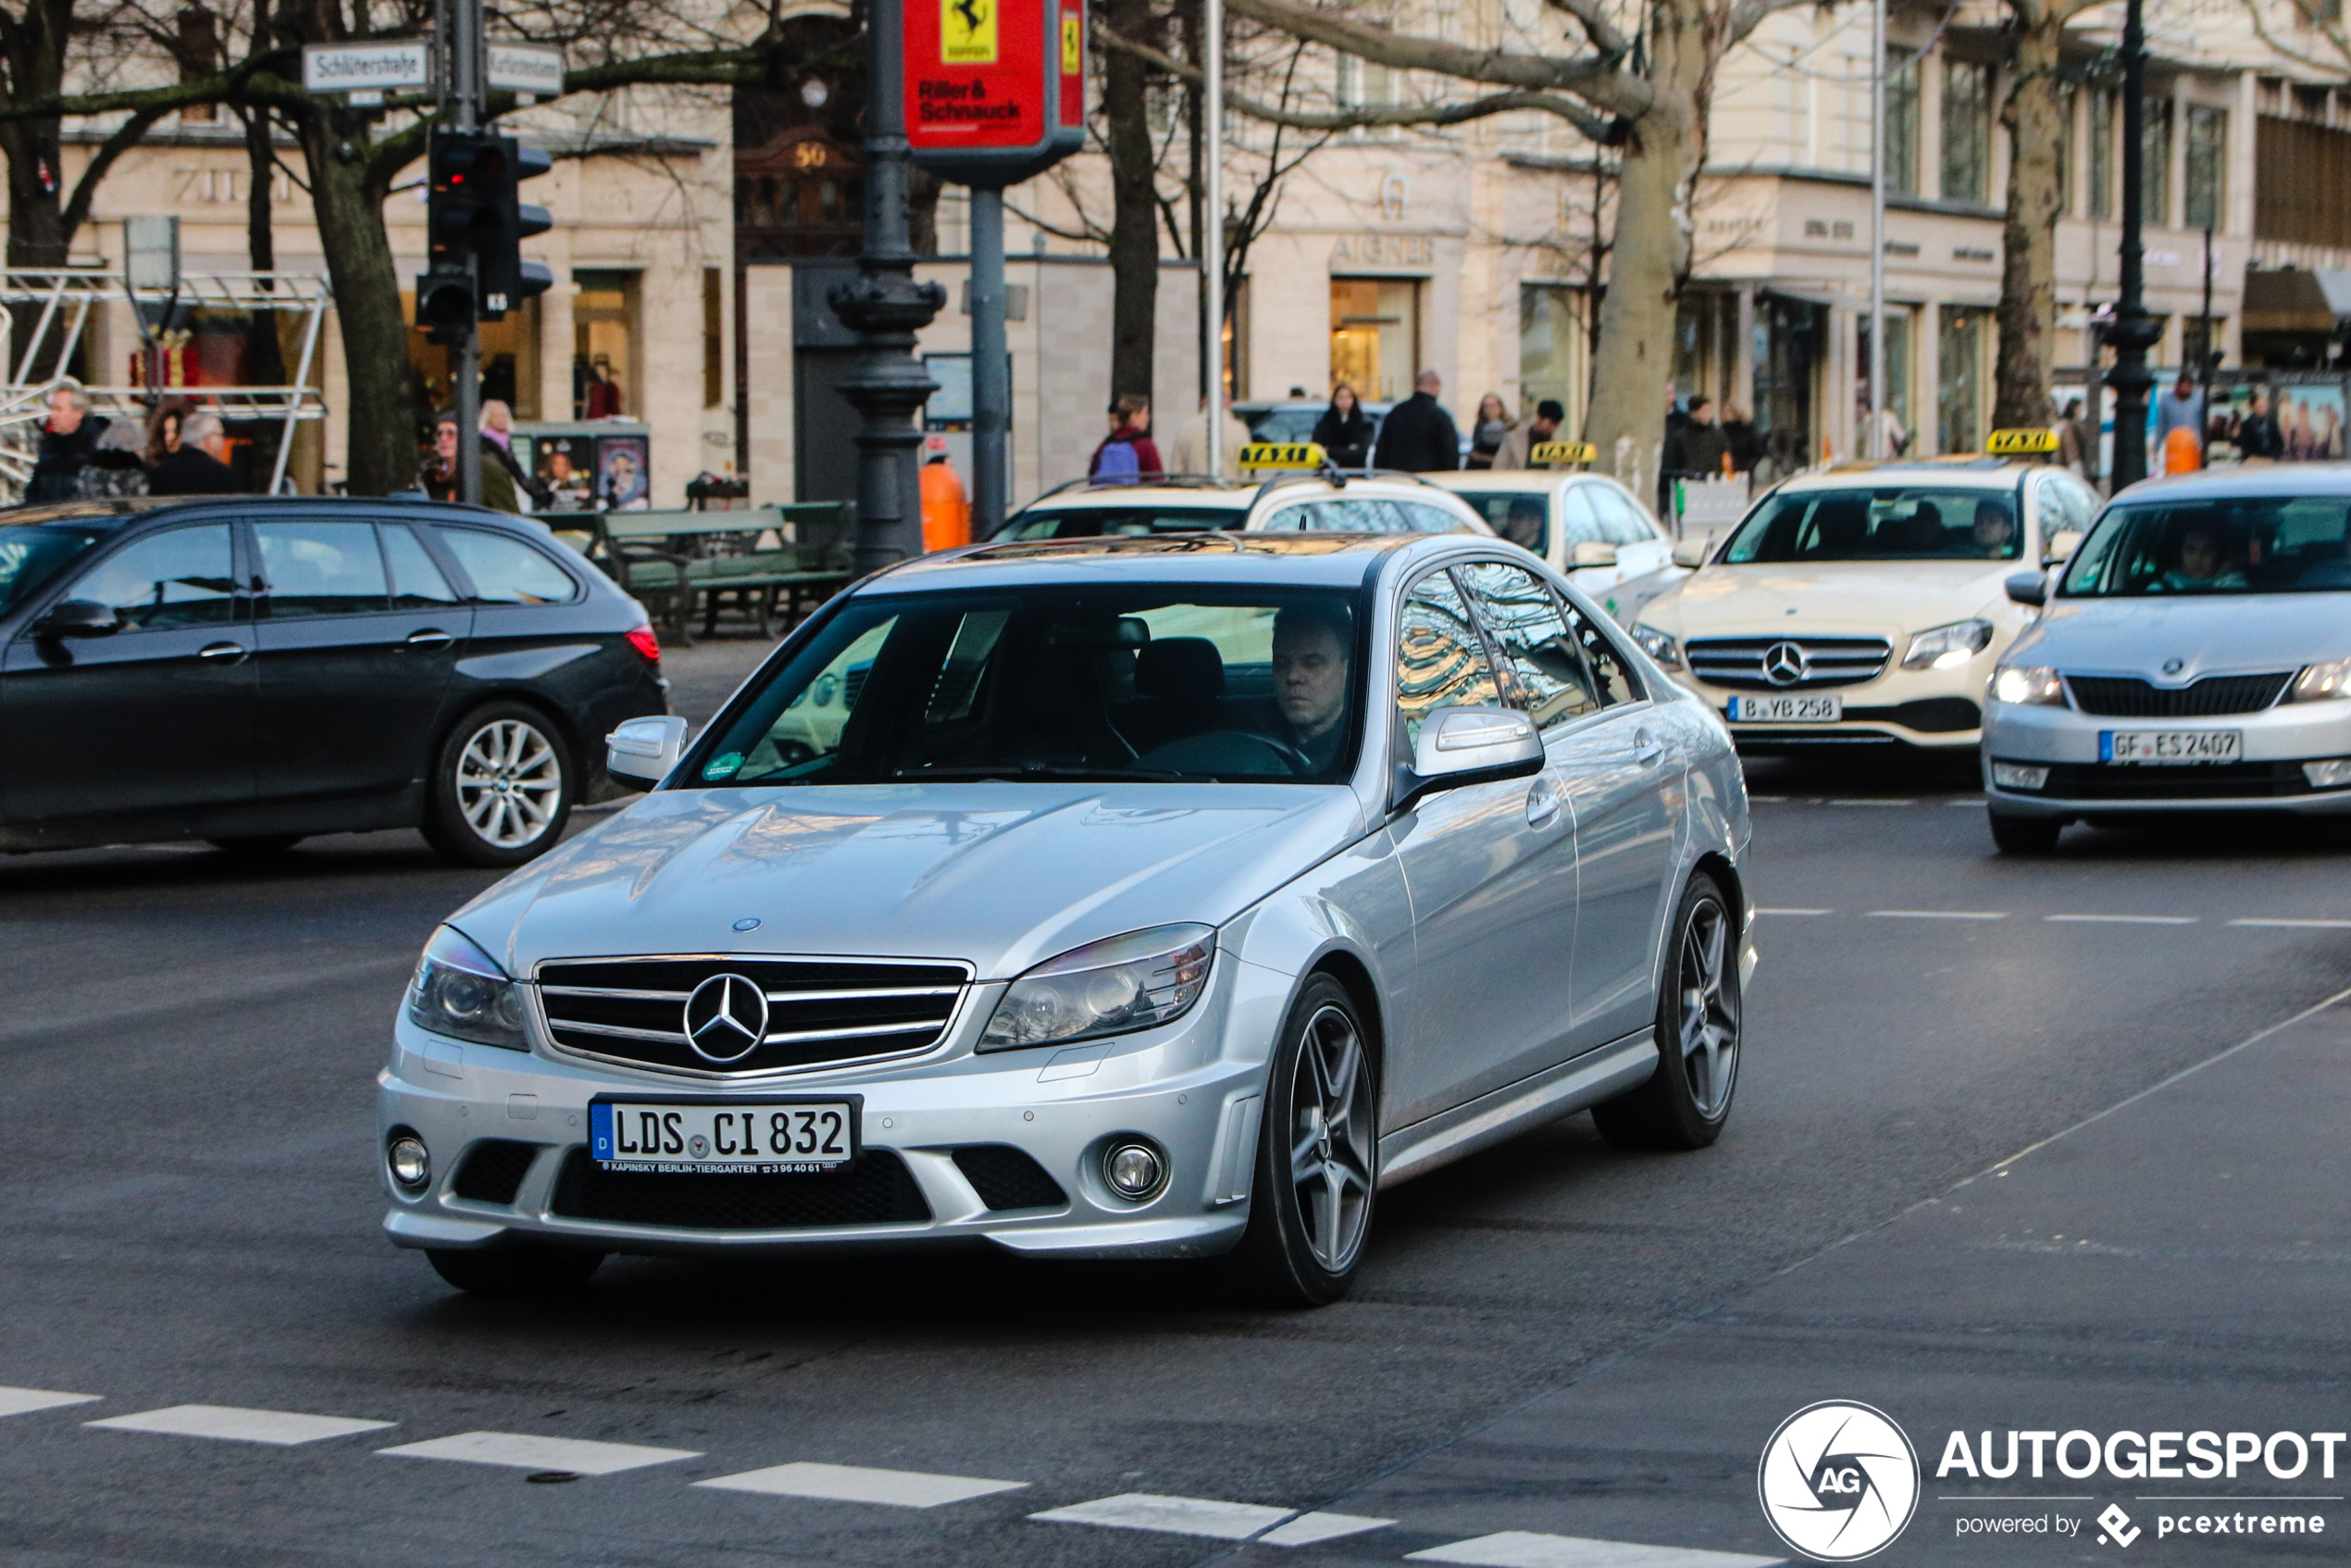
<point>1127,455</point>
<point>498,431</point>
<point>1747,445</point>
<point>1518,449</point>
<point>1344,432</point>
<point>1489,431</point>
<point>194,460</point>
<point>2180,408</point>
<point>947,514</point>
<point>69,444</point>
<point>441,480</point>
<point>1700,449</point>
<point>2257,434</point>
<point>2068,433</point>
<point>1418,436</point>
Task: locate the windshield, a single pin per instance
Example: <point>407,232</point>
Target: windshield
<point>1144,681</point>
<point>1088,522</point>
<point>1880,523</point>
<point>30,557</point>
<point>2264,546</point>
<point>1523,516</point>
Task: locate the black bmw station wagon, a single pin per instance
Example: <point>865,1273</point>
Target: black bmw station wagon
<point>251,671</point>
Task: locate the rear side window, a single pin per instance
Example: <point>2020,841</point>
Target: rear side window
<point>186,576</point>
<point>1423,519</point>
<point>321,568</point>
<point>416,582</point>
<point>1542,663</point>
<point>506,571</point>
<point>1622,521</point>
<point>1440,658</point>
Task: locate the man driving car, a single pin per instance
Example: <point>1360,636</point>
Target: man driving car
<point>1310,650</point>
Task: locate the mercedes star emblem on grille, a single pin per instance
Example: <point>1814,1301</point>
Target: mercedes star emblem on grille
<point>1783,663</point>
<point>726,1018</point>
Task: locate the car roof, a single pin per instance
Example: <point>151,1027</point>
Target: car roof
<point>1336,560</point>
<point>122,509</point>
<point>1963,471</point>
<point>2283,481</point>
<point>1184,490</point>
<point>1511,479</point>
<point>110,510</point>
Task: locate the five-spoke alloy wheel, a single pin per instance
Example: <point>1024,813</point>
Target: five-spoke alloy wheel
<point>503,788</point>
<point>1685,1103</point>
<point>1318,1152</point>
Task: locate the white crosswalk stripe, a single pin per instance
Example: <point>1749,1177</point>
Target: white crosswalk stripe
<point>523,1452</point>
<point>24,1402</point>
<point>1175,1516</point>
<point>231,1424</point>
<point>1308,1529</point>
<point>1524,1549</point>
<point>850,1483</point>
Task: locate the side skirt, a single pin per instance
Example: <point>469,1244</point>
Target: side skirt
<point>1505,1112</point>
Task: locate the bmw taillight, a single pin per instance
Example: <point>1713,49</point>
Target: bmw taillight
<point>644,642</point>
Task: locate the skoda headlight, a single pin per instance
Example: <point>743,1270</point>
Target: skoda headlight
<point>2318,682</point>
<point>1947,647</point>
<point>1135,981</point>
<point>2018,684</point>
<point>1658,646</point>
<point>460,991</point>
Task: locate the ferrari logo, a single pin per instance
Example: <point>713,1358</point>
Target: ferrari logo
<point>1072,44</point>
<point>967,32</point>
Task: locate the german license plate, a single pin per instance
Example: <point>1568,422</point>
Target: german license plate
<point>1786,710</point>
<point>702,1137</point>
<point>2138,747</point>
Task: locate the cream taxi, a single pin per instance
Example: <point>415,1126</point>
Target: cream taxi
<point>1584,526</point>
<point>1865,604</point>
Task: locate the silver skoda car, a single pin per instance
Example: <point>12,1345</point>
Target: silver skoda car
<point>2195,656</point>
<point>1111,897</point>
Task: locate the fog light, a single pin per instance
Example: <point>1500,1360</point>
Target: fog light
<point>2020,775</point>
<point>2332,774</point>
<point>410,1165</point>
<point>1134,1170</point>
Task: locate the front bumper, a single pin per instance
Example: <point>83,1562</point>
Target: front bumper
<point>1935,710</point>
<point>2277,742</point>
<point>1180,1087</point>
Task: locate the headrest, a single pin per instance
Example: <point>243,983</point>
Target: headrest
<point>1183,669</point>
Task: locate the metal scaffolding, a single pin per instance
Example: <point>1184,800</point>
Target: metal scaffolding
<point>55,308</point>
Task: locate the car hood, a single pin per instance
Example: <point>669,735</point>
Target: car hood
<point>2237,633</point>
<point>1000,874</point>
<point>1890,598</point>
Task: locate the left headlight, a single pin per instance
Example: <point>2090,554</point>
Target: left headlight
<point>459,991</point>
<point>1947,647</point>
<point>2028,686</point>
<point>2318,682</point>
<point>1137,982</point>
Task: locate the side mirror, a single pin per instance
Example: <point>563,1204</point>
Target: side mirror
<point>1592,553</point>
<point>2060,545</point>
<point>645,748</point>
<point>2027,587</point>
<point>77,617</point>
<point>1460,746</point>
<point>1691,551</point>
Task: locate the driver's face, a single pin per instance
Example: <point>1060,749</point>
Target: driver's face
<point>1310,679</point>
<point>2199,556</point>
<point>1992,529</point>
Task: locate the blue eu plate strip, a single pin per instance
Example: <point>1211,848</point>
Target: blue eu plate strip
<point>600,1131</point>
<point>2105,745</point>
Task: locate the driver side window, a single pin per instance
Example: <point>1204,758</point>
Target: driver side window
<point>1440,658</point>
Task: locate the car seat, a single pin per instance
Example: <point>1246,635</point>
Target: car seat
<point>1179,684</point>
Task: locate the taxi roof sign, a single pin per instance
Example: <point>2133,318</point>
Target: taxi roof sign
<point>1562,452</point>
<point>1260,455</point>
<point>2009,443</point>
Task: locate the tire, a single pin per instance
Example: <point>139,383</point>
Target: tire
<point>1310,1212</point>
<point>503,788</point>
<point>257,846</point>
<point>2025,835</point>
<point>1686,1101</point>
<point>523,1269</point>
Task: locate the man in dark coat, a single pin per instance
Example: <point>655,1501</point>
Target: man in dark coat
<point>1418,436</point>
<point>194,466</point>
<point>1697,450</point>
<point>69,439</point>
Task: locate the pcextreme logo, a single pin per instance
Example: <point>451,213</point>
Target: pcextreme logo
<point>1838,1481</point>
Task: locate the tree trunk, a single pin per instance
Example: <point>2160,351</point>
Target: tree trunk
<point>349,210</point>
<point>2028,259</point>
<point>1134,236</point>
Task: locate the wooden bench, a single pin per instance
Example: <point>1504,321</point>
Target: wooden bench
<point>683,558</point>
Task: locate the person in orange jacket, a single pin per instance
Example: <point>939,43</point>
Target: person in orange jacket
<point>2182,453</point>
<point>947,516</point>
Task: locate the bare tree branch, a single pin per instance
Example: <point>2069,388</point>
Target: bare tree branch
<point>1593,77</point>
<point>85,190</point>
<point>1596,25</point>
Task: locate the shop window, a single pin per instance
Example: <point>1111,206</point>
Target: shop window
<point>1902,121</point>
<point>1967,130</point>
<point>2207,165</point>
<point>1958,401</point>
<point>2104,107</point>
<point>604,376</point>
<point>1375,336</point>
<point>2155,164</point>
<point>1551,344</point>
<point>1898,368</point>
<point>2066,105</point>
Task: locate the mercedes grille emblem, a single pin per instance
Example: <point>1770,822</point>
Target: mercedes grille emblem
<point>726,1018</point>
<point>1783,663</point>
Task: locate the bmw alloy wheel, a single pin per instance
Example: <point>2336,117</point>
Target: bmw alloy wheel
<point>510,783</point>
<point>1331,1138</point>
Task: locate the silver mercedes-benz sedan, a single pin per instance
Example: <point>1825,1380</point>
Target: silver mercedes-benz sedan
<point>2195,656</point>
<point>1121,897</point>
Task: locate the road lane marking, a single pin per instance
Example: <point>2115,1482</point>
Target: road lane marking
<point>231,1425</point>
<point>524,1452</point>
<point>24,1402</point>
<point>1310,1529</point>
<point>1868,803</point>
<point>1174,1516</point>
<point>1524,1549</point>
<point>1938,914</point>
<point>2299,925</point>
<point>850,1483</point>
<point>1760,911</point>
<point>2122,919</point>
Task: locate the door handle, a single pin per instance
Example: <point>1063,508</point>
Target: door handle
<point>1542,801</point>
<point>1646,749</point>
<point>431,637</point>
<point>224,653</point>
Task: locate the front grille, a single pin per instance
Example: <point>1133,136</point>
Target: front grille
<point>876,1189</point>
<point>2124,697</point>
<point>1737,663</point>
<point>493,1171</point>
<point>820,1010</point>
<point>1005,1177</point>
<point>2184,781</point>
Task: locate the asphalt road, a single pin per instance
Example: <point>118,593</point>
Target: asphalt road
<point>187,1156</point>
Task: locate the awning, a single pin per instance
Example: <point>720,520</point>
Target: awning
<point>2290,300</point>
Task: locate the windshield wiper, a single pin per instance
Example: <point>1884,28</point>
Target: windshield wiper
<point>1013,772</point>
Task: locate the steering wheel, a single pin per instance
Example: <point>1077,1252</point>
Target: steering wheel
<point>1214,751</point>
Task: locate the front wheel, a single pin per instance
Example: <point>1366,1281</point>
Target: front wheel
<point>1686,1103</point>
<point>1317,1154</point>
<point>502,787</point>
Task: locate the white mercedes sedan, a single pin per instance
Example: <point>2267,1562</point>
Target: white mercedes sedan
<point>1151,897</point>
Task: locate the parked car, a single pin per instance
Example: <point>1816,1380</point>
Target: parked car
<point>1286,503</point>
<point>251,671</point>
<point>1291,420</point>
<point>1160,897</point>
<point>1585,525</point>
<point>2195,656</point>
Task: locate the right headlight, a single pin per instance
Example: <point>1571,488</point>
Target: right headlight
<point>2025,685</point>
<point>1137,982</point>
<point>460,991</point>
<point>1657,645</point>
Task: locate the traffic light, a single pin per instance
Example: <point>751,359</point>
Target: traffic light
<point>505,279</point>
<point>476,224</point>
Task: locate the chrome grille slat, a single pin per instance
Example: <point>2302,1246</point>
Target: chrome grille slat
<point>865,995</point>
<point>1738,662</point>
<point>622,1031</point>
<point>615,992</point>
<point>864,1033</point>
